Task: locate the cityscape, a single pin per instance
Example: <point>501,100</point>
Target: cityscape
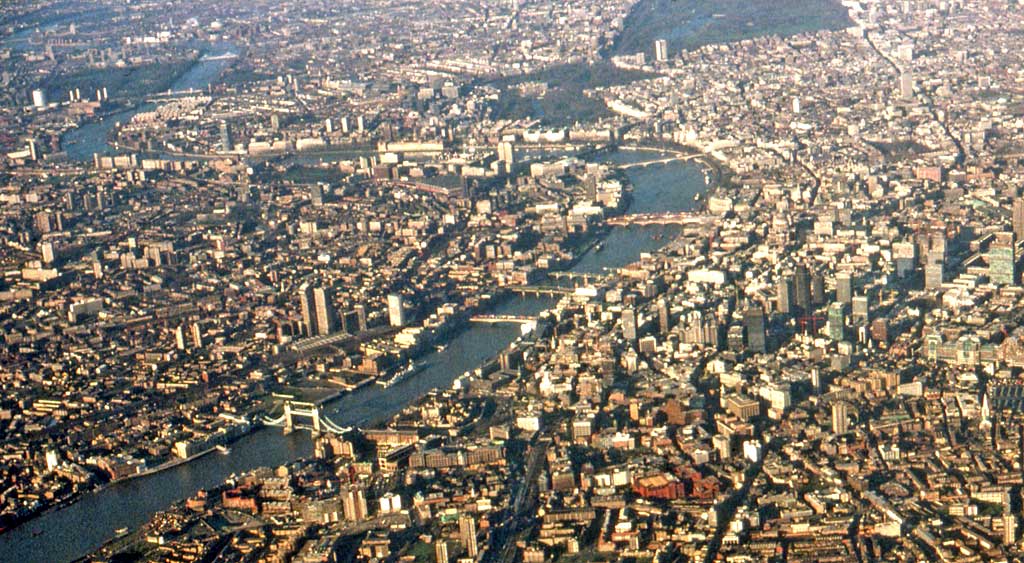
<point>511,281</point>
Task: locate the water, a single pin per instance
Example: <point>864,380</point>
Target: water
<point>81,143</point>
<point>74,531</point>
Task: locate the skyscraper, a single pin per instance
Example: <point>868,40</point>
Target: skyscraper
<point>844,287</point>
<point>933,271</point>
<point>1018,218</point>
<point>507,153</point>
<point>784,294</point>
<point>860,310</point>
<point>308,305</point>
<point>661,50</point>
<point>1002,267</point>
<point>629,324</point>
<point>225,137</point>
<point>441,551</point>
<point>664,316</point>
<point>396,310</point>
<point>753,323</point>
<point>802,288</point>
<point>467,534</point>
<point>326,318</point>
<point>836,321</point>
<point>840,417</point>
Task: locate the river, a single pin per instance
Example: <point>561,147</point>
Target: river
<point>74,531</point>
<point>81,143</point>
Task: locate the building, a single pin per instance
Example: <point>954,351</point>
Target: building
<point>396,310</point>
<point>307,303</point>
<point>629,324</point>
<point>664,316</point>
<point>934,271</point>
<point>225,137</point>
<point>802,288</point>
<point>784,294</point>
<point>353,504</point>
<point>844,288</point>
<point>441,551</point>
<point>1002,266</point>
<point>467,534</point>
<point>753,324</point>
<point>1018,218</point>
<point>39,98</point>
<point>326,317</point>
<point>840,417</point>
<point>661,50</point>
<point>836,321</point>
<point>906,86</point>
<point>860,310</point>
<point>507,153</point>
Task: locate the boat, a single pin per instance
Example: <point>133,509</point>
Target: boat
<point>599,247</point>
<point>223,449</point>
<point>412,368</point>
<point>120,532</point>
<point>442,347</point>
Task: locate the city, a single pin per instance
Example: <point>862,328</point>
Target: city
<point>511,281</point>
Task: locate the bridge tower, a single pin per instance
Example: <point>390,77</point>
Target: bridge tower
<point>288,427</point>
<point>316,421</point>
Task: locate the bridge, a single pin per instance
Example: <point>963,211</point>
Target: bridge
<point>501,319</point>
<point>681,218</point>
<point>548,290</point>
<point>646,163</point>
<point>575,276</point>
<point>318,423</point>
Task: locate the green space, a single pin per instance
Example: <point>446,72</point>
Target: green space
<point>688,24</point>
<point>121,83</point>
<point>564,102</point>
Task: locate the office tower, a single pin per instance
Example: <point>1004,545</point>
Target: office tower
<point>225,137</point>
<point>179,338</point>
<point>905,256</point>
<point>316,195</point>
<point>39,98</point>
<point>629,324</point>
<point>308,305</point>
<point>360,124</point>
<point>361,316</point>
<point>840,417</point>
<point>353,504</point>
<point>836,321</point>
<point>661,50</point>
<point>844,287</point>
<point>46,249</point>
<point>1002,267</point>
<point>802,288</point>
<point>753,324</point>
<point>329,125</point>
<point>1009,528</point>
<point>275,122</point>
<point>860,310</point>
<point>906,86</point>
<point>933,271</point>
<point>784,294</point>
<point>507,153</point>
<point>344,125</point>
<point>818,289</point>
<point>197,336</point>
<point>326,318</point>
<point>441,551</point>
<point>664,316</point>
<point>1018,218</point>
<point>396,310</point>
<point>467,534</point>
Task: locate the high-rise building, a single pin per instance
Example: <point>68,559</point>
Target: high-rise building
<point>1002,266</point>
<point>784,294</point>
<point>507,153</point>
<point>225,137</point>
<point>467,534</point>
<point>840,417</point>
<point>934,273</point>
<point>860,310</point>
<point>906,86</point>
<point>1009,528</point>
<point>818,289</point>
<point>396,310</point>
<point>326,318</point>
<point>753,324</point>
<point>353,504</point>
<point>441,551</point>
<point>802,288</point>
<point>629,324</point>
<point>836,321</point>
<point>844,287</point>
<point>1018,218</point>
<point>307,302</point>
<point>39,98</point>
<point>664,316</point>
<point>661,50</point>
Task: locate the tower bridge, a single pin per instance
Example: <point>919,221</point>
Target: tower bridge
<point>318,423</point>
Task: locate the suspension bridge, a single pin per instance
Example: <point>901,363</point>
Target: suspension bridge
<point>318,423</point>
<point>502,319</point>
